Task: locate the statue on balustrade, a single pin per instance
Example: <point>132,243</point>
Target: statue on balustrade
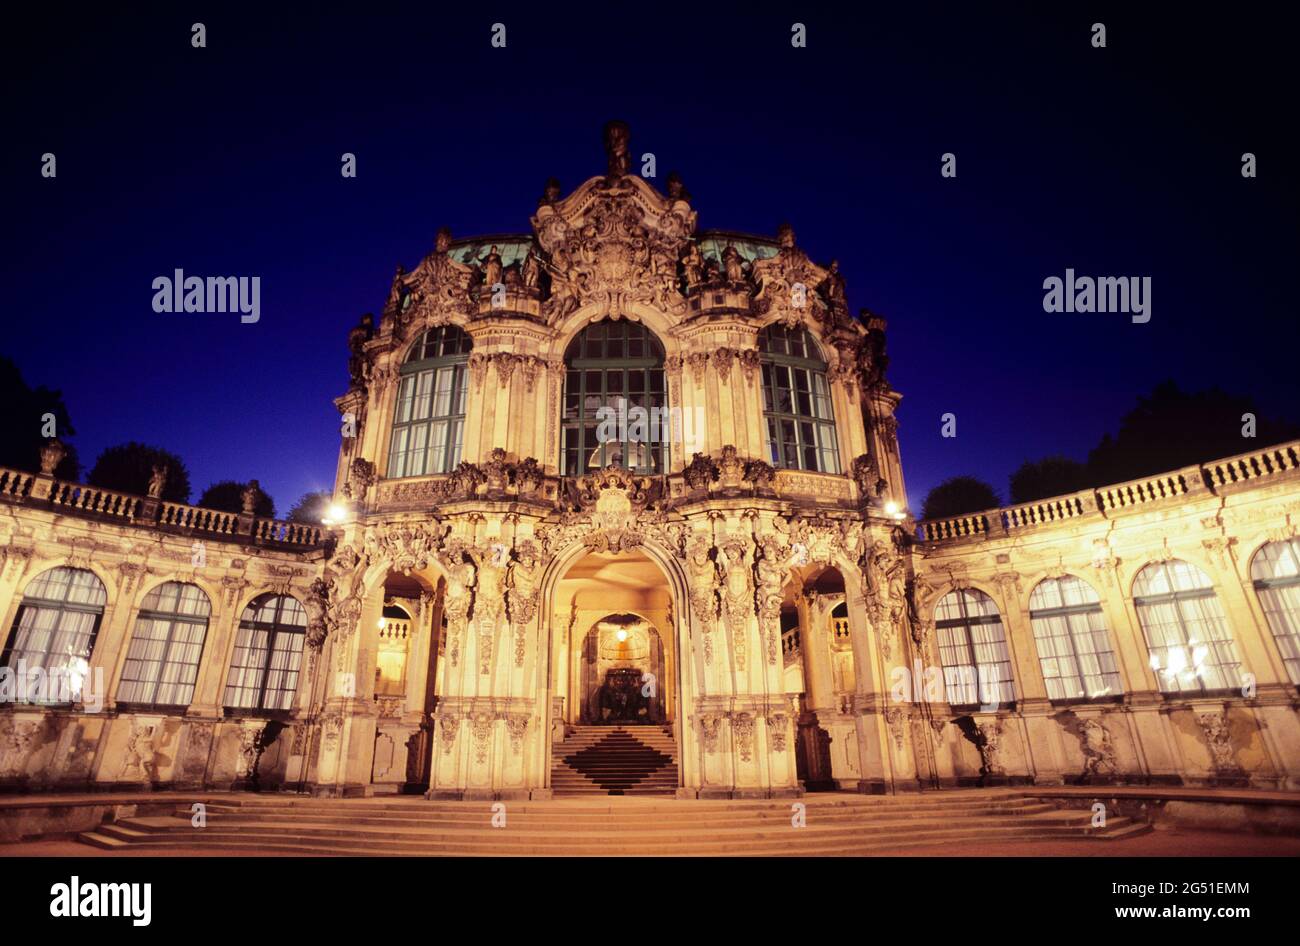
<point>157,481</point>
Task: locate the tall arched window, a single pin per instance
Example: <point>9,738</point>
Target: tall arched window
<point>162,662</point>
<point>1276,573</point>
<point>1185,628</point>
<point>429,423</point>
<point>1073,646</point>
<point>55,631</point>
<point>614,403</point>
<point>268,653</point>
<point>797,402</point>
<point>973,650</point>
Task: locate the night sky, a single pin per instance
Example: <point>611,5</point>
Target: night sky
<point>225,161</point>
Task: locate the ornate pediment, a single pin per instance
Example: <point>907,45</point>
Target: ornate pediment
<point>438,288</point>
<point>612,242</point>
<point>787,283</point>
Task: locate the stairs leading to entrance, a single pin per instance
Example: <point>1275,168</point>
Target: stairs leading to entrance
<point>615,760</point>
<point>592,826</point>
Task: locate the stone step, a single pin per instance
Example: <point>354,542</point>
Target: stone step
<point>835,825</point>
<point>502,841</point>
<point>615,761</point>
<point>534,821</point>
<point>867,806</point>
<point>139,827</point>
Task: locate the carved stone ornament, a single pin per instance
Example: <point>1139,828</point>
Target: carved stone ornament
<point>990,746</point>
<point>360,475</point>
<point>1218,738</point>
<point>481,729</point>
<point>778,728</point>
<point>787,283</point>
<point>438,287</point>
<point>407,546</point>
<point>448,730</point>
<point>710,727</point>
<point>736,568</point>
<point>742,729</point>
<point>896,718</point>
<point>1099,754</point>
<point>613,242</point>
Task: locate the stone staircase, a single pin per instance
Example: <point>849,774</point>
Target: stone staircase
<point>592,826</point>
<point>615,760</point>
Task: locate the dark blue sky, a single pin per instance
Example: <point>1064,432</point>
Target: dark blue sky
<point>225,160</point>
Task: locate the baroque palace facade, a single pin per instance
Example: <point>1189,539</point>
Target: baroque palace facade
<point>621,448</point>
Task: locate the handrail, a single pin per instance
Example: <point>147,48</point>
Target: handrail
<point>1117,498</point>
<point>19,486</point>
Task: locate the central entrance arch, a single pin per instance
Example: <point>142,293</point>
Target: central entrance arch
<point>591,595</point>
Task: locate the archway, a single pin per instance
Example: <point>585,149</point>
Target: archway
<point>402,679</point>
<point>593,597</point>
<point>601,595</point>
<point>819,665</point>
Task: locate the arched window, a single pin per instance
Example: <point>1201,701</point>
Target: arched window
<point>162,662</point>
<point>1276,573</point>
<point>614,403</point>
<point>797,402</point>
<point>429,423</point>
<point>1185,629</point>
<point>264,671</point>
<point>54,631</point>
<point>1073,647</point>
<point>973,650</point>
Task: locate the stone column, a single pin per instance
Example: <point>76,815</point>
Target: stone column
<point>349,716</point>
<point>824,733</point>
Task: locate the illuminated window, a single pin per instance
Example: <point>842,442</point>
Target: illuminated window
<point>54,631</point>
<point>268,654</point>
<point>973,650</point>
<point>162,662</point>
<point>429,423</point>
<point>1276,573</point>
<point>1185,628</point>
<point>614,402</point>
<point>797,402</point>
<point>1073,646</point>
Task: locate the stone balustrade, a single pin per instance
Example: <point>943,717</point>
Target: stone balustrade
<point>1109,501</point>
<point>15,483</point>
<point>198,519</point>
<point>91,499</point>
<point>958,527</point>
<point>30,489</point>
<point>1253,466</point>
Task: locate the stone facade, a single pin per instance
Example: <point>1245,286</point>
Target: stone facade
<point>501,567</point>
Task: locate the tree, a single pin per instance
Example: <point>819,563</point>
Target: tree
<point>1170,428</point>
<point>23,424</point>
<point>128,467</point>
<point>311,508</point>
<point>958,496</point>
<point>228,496</point>
<point>1050,476</point>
